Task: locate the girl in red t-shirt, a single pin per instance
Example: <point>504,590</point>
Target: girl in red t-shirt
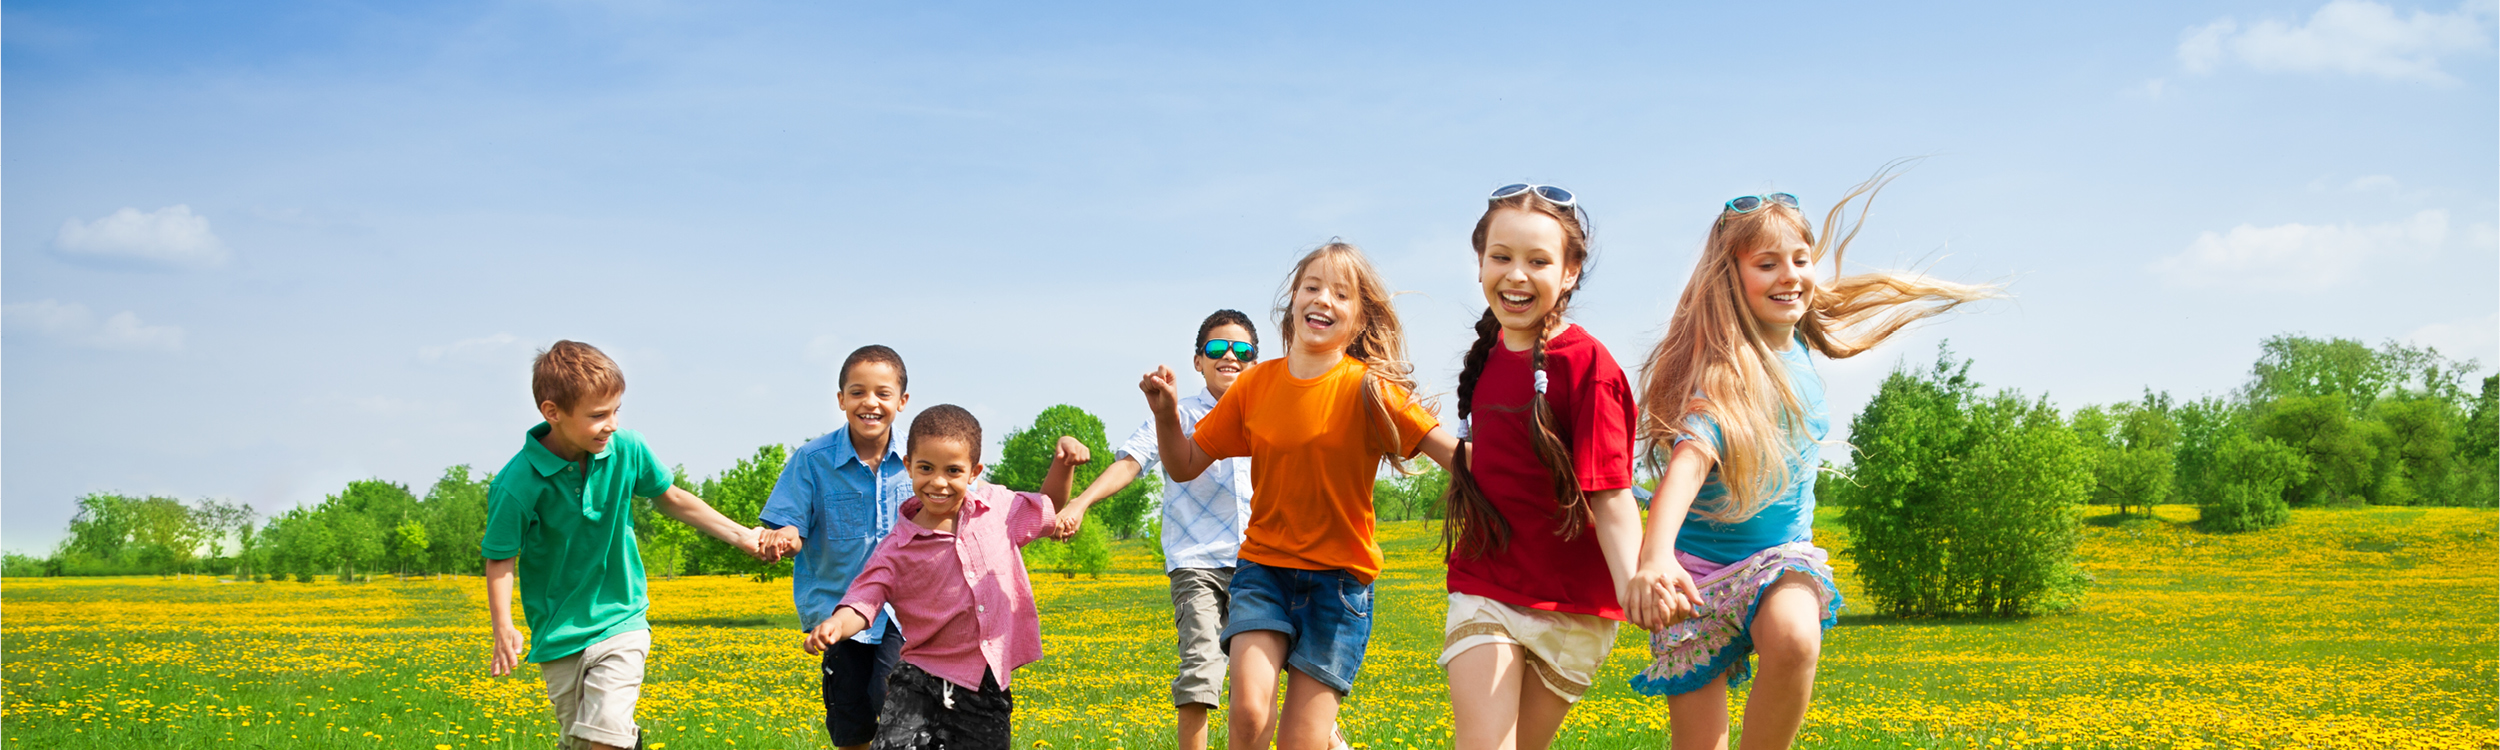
<point>1542,529</point>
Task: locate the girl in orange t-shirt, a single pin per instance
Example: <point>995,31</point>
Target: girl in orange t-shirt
<point>1315,425</point>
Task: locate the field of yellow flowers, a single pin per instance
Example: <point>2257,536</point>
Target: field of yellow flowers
<point>2366,628</point>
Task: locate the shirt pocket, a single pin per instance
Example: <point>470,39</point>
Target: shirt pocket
<point>849,514</point>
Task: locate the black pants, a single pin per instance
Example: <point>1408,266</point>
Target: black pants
<point>918,715</point>
<point>855,675</point>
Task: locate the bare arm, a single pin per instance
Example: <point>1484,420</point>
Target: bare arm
<point>1183,460</point>
<point>684,506</point>
<point>844,623</point>
<point>508,643</point>
<point>1660,586</point>
<point>1114,478</point>
<point>1618,519</point>
<point>1442,446</point>
<point>1063,463</point>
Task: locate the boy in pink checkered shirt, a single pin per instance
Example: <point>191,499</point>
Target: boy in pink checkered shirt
<point>958,589</point>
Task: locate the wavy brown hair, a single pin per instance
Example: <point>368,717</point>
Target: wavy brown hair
<point>1380,344</point>
<point>1474,528</point>
<point>1715,363</point>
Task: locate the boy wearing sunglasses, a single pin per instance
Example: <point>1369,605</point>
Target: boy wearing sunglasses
<point>1202,522</point>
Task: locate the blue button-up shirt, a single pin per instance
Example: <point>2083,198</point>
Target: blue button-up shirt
<point>842,510</point>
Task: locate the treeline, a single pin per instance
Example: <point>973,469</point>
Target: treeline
<point>378,527</point>
<point>1960,502</point>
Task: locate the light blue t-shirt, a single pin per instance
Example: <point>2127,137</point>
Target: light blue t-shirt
<point>842,510</point>
<point>1787,518</point>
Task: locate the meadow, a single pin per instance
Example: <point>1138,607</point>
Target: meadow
<point>2347,628</point>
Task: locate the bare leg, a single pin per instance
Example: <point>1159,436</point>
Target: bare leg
<point>1193,727</point>
<point>1788,634</point>
<point>1484,696</point>
<point>1698,720</point>
<point>1541,712</point>
<point>1257,657</point>
<point>1310,715</point>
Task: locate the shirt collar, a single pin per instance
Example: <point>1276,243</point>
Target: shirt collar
<point>546,461</point>
<point>1205,396</point>
<point>976,501</point>
<point>844,452</point>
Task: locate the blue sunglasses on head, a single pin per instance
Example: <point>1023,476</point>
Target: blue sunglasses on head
<point>1551,194</point>
<point>1745,204</point>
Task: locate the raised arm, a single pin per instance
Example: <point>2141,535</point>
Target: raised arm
<point>1070,454</point>
<point>844,623</point>
<point>1183,460</point>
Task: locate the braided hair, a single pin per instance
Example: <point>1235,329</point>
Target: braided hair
<point>1474,528</point>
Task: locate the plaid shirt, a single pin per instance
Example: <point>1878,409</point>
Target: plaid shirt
<point>1203,517</point>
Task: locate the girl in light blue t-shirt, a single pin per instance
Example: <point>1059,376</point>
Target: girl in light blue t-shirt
<point>1731,402</point>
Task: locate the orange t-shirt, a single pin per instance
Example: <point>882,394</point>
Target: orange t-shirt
<point>1311,462</point>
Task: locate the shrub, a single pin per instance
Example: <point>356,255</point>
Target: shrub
<point>2250,475</point>
<point>1963,504</point>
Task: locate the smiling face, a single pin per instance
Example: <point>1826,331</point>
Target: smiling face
<point>1220,373</point>
<point>1524,273</point>
<point>585,429</point>
<point>872,396</point>
<point>1778,278</point>
<point>942,470</point>
<point>1327,308</point>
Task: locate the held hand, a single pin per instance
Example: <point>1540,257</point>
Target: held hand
<point>508,648</point>
<point>752,542</point>
<point>1681,597</point>
<point>1072,452</point>
<point>1162,395</point>
<point>1070,520</point>
<point>784,541</point>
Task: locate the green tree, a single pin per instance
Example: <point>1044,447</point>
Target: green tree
<point>1411,496</point>
<point>165,534</point>
<point>666,544</point>
<point>2202,424</point>
<point>1023,461</point>
<point>2416,446</point>
<point>2292,365</point>
<point>739,493</point>
<point>408,544</point>
<point>2250,474</point>
<point>360,542</point>
<point>2340,448</point>
<point>455,520</point>
<point>2478,449</point>
<point>2143,468</point>
<point>1964,504</point>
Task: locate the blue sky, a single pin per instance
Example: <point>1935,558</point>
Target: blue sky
<point>256,251</point>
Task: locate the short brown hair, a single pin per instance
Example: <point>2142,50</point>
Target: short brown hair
<point>947,422</point>
<point>570,371</point>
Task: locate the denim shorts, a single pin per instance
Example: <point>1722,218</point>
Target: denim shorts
<point>1325,615</point>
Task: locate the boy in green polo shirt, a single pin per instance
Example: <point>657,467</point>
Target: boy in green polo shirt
<point>561,512</point>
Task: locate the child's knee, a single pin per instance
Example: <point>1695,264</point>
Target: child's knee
<point>1793,644</point>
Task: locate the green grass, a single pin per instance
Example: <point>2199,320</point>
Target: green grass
<point>2362,628</point>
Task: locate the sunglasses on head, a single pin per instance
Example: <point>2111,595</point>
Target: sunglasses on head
<point>1551,194</point>
<point>1241,350</point>
<point>1745,204</point>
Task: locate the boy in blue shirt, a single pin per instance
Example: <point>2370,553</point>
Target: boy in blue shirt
<point>836,500</point>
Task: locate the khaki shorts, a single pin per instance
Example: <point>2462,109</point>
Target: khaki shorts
<point>594,691</point>
<point>1199,601</point>
<point>1563,649</point>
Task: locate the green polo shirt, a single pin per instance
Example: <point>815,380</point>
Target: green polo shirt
<point>581,574</point>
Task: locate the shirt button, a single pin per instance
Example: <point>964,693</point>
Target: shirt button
<point>981,608</point>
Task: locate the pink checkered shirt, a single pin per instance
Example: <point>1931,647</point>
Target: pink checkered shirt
<point>962,598</point>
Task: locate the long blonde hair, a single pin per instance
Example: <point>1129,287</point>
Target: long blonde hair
<point>1715,363</point>
<point>1380,345</point>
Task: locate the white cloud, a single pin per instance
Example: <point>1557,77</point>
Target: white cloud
<point>73,324</point>
<point>169,236</point>
<point>2353,37</point>
<point>2469,338</point>
<point>482,348</point>
<point>2299,257</point>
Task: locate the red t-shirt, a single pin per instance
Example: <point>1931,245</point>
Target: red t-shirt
<point>1593,413</point>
